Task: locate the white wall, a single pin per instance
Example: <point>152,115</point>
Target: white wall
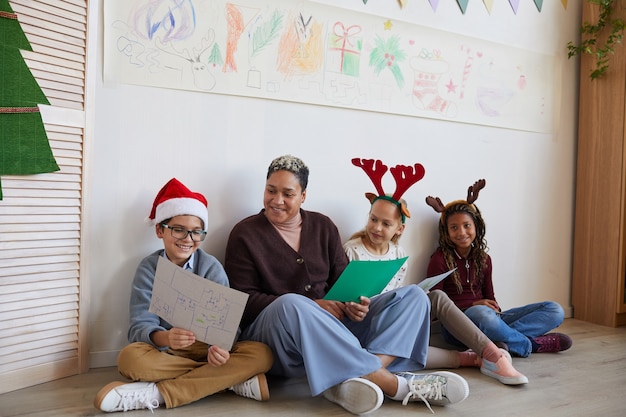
<point>221,146</point>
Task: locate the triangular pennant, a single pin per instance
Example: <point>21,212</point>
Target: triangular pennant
<point>434,4</point>
<point>488,5</point>
<point>514,5</point>
<point>539,3</point>
<point>463,5</point>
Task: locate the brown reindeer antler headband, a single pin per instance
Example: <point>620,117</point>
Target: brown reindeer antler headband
<point>405,177</point>
<point>472,195</point>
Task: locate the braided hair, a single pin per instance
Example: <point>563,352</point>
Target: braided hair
<point>478,253</point>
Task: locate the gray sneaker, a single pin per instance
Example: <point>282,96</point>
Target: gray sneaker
<point>437,388</point>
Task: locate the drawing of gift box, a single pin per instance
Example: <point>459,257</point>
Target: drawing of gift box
<point>344,49</point>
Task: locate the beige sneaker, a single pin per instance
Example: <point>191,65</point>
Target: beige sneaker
<point>255,388</point>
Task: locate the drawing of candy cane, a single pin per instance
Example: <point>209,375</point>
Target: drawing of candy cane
<point>467,69</point>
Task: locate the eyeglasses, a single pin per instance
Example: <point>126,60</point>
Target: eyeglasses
<point>181,233</point>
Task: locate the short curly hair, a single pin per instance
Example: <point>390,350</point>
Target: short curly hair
<point>292,164</point>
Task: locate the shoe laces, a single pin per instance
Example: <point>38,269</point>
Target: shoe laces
<point>245,389</point>
<point>139,400</point>
<point>426,388</point>
<point>553,342</point>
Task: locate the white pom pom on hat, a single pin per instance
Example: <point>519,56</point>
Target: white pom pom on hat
<point>174,199</point>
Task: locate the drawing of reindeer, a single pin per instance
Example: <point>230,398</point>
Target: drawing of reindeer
<point>202,77</point>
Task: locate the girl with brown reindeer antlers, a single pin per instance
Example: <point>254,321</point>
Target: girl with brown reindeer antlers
<point>379,241</point>
<point>462,245</point>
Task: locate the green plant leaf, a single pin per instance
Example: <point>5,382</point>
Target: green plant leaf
<point>590,33</point>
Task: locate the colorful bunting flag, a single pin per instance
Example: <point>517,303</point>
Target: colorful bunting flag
<point>463,5</point>
<point>514,5</point>
<point>488,5</point>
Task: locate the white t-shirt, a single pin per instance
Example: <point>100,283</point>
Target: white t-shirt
<point>356,251</point>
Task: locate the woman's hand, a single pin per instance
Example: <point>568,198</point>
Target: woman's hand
<point>354,311</point>
<point>216,356</point>
<point>358,311</point>
<point>336,308</point>
<point>489,303</point>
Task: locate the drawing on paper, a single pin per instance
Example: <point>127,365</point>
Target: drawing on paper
<point>206,310</point>
<point>428,70</point>
<point>300,50</point>
<point>387,55</point>
<point>320,54</point>
<point>210,310</point>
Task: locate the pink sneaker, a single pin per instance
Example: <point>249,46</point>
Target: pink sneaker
<point>503,371</point>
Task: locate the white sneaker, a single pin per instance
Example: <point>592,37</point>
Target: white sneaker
<point>255,388</point>
<point>121,396</point>
<point>357,395</point>
<point>437,388</point>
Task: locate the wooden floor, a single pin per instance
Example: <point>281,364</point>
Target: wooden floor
<point>587,380</point>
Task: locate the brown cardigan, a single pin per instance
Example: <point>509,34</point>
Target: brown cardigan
<point>259,262</point>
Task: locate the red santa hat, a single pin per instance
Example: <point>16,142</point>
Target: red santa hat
<point>174,199</point>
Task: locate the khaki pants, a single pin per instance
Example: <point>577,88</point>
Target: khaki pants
<point>184,376</point>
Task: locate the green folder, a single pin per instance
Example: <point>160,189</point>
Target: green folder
<point>364,278</point>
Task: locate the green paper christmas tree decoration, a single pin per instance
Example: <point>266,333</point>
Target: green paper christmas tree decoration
<point>24,146</point>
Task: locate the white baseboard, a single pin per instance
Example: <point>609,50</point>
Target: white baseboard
<point>103,359</point>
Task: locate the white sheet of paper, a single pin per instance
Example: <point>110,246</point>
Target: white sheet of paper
<point>427,283</point>
<point>210,310</point>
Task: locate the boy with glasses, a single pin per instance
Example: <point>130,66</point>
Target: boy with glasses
<point>174,368</point>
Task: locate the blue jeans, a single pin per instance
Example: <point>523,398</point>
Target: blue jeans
<point>514,327</point>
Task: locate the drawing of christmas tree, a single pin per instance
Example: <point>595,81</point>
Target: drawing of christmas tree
<point>24,146</point>
<point>216,56</point>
